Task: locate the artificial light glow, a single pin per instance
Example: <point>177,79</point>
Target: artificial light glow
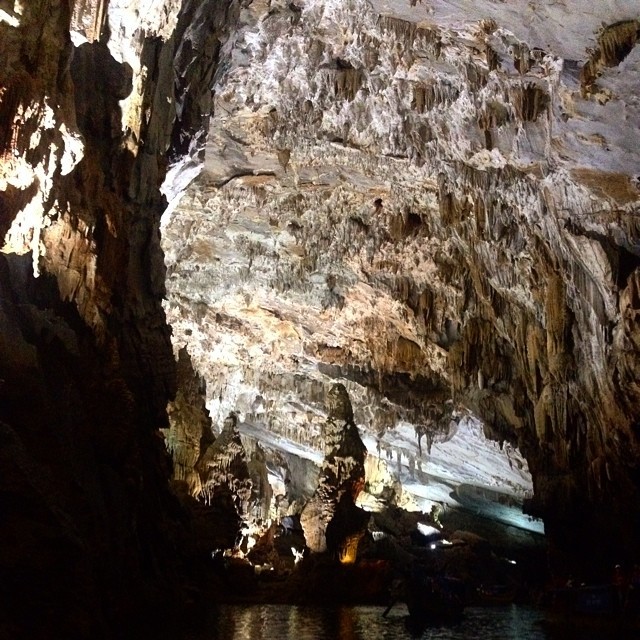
<point>511,561</point>
<point>433,546</point>
<point>349,550</point>
<point>261,568</point>
<point>12,21</point>
<point>297,555</point>
<point>427,530</point>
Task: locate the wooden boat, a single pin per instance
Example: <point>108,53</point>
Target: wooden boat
<point>435,600</point>
<point>431,600</point>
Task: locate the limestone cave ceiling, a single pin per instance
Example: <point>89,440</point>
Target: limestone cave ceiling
<point>434,202</point>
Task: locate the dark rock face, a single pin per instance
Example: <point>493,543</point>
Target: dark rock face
<point>330,520</point>
<point>88,523</point>
<point>89,527</point>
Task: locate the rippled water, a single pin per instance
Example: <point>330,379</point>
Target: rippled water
<point>285,622</point>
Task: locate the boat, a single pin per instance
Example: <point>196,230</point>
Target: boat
<point>434,600</point>
<point>431,600</point>
<point>496,595</point>
<point>593,600</point>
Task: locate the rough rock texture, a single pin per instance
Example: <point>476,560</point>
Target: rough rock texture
<point>89,530</point>
<point>432,201</point>
<point>223,468</point>
<point>330,520</point>
<point>190,432</point>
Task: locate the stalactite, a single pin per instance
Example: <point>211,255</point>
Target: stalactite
<point>529,101</point>
<point>402,30</point>
<point>493,114</point>
<point>557,323</point>
<point>476,76</point>
<point>420,40</point>
<point>588,290</point>
<point>491,57</point>
<point>428,96</point>
<point>89,17</point>
<point>428,40</point>
<point>521,58</point>
<point>535,354</point>
<point>346,83</point>
<point>614,44</point>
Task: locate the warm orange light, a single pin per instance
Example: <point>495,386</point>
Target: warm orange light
<point>349,549</point>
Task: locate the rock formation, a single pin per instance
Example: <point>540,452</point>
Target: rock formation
<point>93,541</point>
<point>190,433</point>
<point>435,203</point>
<point>223,467</point>
<point>330,520</point>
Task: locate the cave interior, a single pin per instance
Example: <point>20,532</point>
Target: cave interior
<point>317,288</point>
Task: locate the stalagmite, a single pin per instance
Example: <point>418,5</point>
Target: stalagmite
<point>330,520</point>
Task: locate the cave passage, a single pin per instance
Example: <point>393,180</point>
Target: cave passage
<point>323,302</point>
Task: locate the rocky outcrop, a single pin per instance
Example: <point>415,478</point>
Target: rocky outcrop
<point>190,433</point>
<point>87,116</point>
<point>432,204</point>
<point>223,468</point>
<point>330,520</point>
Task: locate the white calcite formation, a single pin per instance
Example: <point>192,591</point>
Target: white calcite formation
<point>436,203</point>
<point>223,468</point>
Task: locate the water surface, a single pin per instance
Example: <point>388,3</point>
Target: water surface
<point>287,622</point>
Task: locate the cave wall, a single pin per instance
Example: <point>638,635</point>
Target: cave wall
<point>455,218</point>
<point>439,206</point>
<point>94,544</point>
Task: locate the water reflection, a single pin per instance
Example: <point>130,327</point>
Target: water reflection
<point>284,622</point>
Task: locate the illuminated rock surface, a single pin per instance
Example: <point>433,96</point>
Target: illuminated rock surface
<point>330,519</point>
<point>436,205</point>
